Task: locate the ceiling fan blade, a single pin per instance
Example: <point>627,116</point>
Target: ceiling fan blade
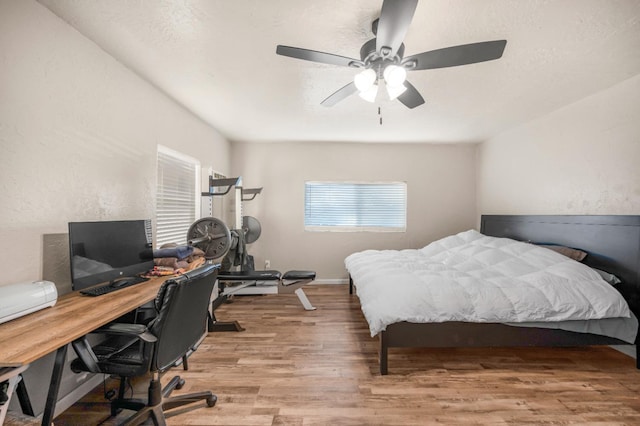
<point>314,56</point>
<point>411,98</point>
<point>340,94</point>
<point>458,55</point>
<point>395,18</point>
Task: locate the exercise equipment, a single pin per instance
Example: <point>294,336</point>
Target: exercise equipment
<point>232,282</point>
<point>251,228</point>
<point>210,235</point>
<point>213,237</point>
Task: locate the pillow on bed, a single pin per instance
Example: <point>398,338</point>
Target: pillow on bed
<point>571,253</point>
<point>610,278</point>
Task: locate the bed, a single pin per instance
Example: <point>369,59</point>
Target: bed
<point>612,244</point>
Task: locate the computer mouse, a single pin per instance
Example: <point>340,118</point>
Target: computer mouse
<point>119,283</point>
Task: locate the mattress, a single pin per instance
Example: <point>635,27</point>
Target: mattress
<point>472,277</point>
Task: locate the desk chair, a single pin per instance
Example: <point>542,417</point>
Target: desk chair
<point>134,350</point>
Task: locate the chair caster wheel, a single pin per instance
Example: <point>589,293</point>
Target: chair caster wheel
<point>180,384</point>
<point>211,401</point>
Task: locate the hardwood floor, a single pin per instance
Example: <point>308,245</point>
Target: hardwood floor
<point>296,367</point>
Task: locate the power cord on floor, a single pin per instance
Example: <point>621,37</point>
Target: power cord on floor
<point>112,393</point>
<point>108,394</point>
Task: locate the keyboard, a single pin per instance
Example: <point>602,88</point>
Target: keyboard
<point>108,288</point>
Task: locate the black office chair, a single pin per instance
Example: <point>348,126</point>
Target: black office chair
<point>134,350</point>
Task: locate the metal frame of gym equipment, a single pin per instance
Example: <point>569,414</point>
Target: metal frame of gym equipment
<point>245,282</point>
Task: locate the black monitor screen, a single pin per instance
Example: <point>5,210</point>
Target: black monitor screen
<point>103,251</point>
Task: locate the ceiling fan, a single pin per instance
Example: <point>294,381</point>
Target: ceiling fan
<point>382,58</point>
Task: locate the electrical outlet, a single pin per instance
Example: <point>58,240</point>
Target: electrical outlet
<point>267,264</point>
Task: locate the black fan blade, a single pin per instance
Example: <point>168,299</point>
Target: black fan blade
<point>458,55</point>
<point>395,18</point>
<point>314,56</point>
<point>411,98</point>
<point>340,94</point>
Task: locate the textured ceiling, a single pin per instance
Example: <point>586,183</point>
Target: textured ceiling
<point>217,58</point>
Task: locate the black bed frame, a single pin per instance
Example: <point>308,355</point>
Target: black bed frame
<point>612,244</point>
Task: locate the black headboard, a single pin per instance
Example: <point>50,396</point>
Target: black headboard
<point>612,242</point>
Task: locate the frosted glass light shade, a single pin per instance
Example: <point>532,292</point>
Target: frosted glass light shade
<point>394,75</point>
<point>395,91</point>
<point>365,80</point>
<point>370,94</point>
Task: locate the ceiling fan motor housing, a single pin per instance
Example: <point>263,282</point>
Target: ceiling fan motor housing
<point>372,59</point>
<point>368,49</point>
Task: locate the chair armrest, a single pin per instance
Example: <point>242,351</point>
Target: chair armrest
<point>133,330</point>
<point>85,352</point>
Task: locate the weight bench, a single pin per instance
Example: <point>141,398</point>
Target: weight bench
<point>231,282</point>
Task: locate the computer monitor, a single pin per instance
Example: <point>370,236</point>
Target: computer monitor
<point>103,251</point>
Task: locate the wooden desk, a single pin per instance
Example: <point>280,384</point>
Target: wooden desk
<point>28,338</point>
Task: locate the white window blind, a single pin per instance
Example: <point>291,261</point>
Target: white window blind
<point>349,206</point>
<point>177,196</point>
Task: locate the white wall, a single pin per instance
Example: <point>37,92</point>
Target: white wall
<point>78,135</point>
<point>78,140</point>
<point>581,159</point>
<point>441,197</point>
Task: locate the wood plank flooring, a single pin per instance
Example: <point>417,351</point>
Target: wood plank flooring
<point>297,367</point>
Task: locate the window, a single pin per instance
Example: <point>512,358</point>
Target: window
<point>177,196</point>
<point>347,206</point>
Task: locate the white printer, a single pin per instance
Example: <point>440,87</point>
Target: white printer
<point>21,299</point>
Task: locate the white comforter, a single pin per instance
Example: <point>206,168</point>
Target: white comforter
<point>476,278</point>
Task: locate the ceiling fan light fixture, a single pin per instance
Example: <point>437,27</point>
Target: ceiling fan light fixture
<point>394,75</point>
<point>365,80</point>
<point>370,94</point>
<point>395,91</point>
